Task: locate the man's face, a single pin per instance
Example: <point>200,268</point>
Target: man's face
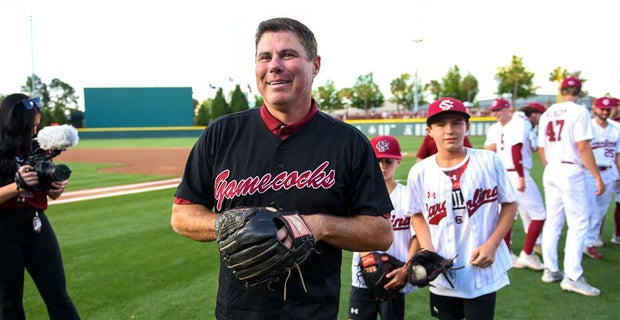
<point>502,115</point>
<point>602,113</point>
<point>283,73</point>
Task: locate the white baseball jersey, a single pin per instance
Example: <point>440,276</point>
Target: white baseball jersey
<point>494,133</point>
<point>617,125</point>
<point>518,130</point>
<point>461,206</point>
<point>401,226</point>
<point>605,143</point>
<point>560,128</point>
<point>605,146</point>
<point>564,180</point>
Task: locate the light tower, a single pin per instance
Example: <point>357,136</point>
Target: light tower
<point>415,78</point>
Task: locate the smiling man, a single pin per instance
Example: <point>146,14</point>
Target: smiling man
<point>290,154</point>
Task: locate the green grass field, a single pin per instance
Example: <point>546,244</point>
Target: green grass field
<point>123,261</point>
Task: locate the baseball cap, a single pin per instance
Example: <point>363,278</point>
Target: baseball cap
<point>571,82</point>
<point>606,103</point>
<point>499,104</point>
<point>538,106</point>
<point>386,147</point>
<point>445,105</point>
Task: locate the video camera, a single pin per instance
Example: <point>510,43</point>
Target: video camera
<point>49,143</point>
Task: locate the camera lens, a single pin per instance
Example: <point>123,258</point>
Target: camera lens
<point>62,172</point>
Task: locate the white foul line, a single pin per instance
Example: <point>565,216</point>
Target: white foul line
<point>90,194</point>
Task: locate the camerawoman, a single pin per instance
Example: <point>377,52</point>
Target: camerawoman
<point>49,143</point>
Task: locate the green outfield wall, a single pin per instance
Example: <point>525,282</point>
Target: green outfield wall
<point>414,127</point>
<point>129,108</point>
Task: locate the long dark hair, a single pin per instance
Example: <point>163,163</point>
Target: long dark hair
<point>16,123</point>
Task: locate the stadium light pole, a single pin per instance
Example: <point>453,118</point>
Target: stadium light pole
<point>31,58</point>
<point>415,78</point>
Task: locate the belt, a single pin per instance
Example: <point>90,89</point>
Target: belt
<point>568,162</point>
<point>604,168</point>
<point>511,169</point>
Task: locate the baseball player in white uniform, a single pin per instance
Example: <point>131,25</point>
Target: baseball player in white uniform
<point>462,205</point>
<point>515,151</point>
<point>564,135</point>
<point>501,110</point>
<point>615,237</point>
<point>362,304</point>
<point>606,148</point>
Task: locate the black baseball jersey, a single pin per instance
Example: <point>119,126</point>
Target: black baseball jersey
<point>328,166</point>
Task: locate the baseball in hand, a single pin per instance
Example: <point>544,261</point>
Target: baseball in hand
<point>419,271</point>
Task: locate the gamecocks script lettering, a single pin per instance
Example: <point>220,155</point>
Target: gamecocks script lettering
<point>314,179</point>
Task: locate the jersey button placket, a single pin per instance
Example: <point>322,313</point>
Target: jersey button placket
<point>281,148</point>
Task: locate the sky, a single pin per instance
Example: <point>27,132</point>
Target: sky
<point>199,44</point>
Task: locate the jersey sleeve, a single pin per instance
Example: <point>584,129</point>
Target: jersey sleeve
<point>505,190</point>
<point>195,185</point>
<point>583,126</point>
<point>492,135</point>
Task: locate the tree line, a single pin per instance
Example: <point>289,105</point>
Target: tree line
<point>60,102</point>
<point>514,80</point>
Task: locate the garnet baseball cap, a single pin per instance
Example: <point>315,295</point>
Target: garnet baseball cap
<point>386,147</point>
<point>538,106</point>
<point>445,105</point>
<point>571,82</point>
<point>606,103</point>
<point>499,104</point>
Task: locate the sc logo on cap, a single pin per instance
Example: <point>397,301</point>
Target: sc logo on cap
<point>383,146</point>
<point>446,105</point>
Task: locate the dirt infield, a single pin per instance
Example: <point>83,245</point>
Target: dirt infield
<point>155,161</point>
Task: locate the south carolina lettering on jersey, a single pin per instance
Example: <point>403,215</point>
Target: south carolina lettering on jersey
<point>402,223</point>
<point>603,144</point>
<point>481,196</point>
<point>437,211</point>
<point>314,179</point>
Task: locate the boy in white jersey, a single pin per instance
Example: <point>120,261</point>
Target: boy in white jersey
<point>362,304</point>
<point>462,205</point>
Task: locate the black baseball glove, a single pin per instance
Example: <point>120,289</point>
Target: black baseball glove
<point>374,266</point>
<point>249,245</point>
<point>425,266</point>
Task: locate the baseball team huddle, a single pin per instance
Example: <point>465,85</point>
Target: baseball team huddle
<point>284,189</point>
<point>316,186</point>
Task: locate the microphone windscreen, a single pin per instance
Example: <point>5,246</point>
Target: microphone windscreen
<point>57,137</point>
